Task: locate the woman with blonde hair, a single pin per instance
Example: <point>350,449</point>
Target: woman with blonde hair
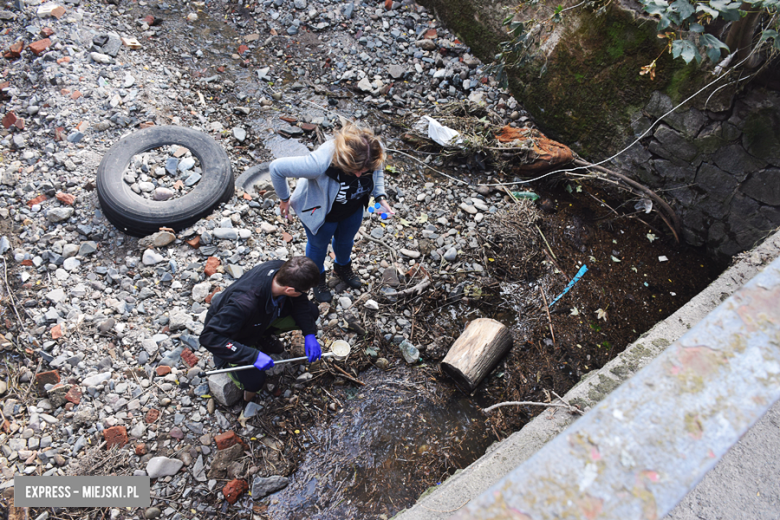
<point>336,183</point>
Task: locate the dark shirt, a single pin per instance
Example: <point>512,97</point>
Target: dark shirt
<point>353,194</point>
<point>244,311</point>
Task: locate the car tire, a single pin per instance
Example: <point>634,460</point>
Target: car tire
<point>138,216</point>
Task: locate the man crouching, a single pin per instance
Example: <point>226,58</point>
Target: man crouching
<point>244,319</point>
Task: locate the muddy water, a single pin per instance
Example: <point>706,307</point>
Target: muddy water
<point>370,459</point>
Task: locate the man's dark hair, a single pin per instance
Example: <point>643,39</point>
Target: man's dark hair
<point>300,273</point>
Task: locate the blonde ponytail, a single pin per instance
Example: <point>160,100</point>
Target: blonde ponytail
<point>357,149</point>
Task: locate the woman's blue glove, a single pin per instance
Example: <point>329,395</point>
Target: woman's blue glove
<point>313,351</point>
<point>263,361</point>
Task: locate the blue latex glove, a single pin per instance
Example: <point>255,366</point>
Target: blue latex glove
<point>313,351</point>
<point>263,361</point>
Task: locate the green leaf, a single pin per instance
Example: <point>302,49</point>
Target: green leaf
<point>729,10</point>
<point>713,46</point>
<point>655,6</point>
<point>663,23</point>
<point>703,8</point>
<point>686,50</point>
<point>696,27</point>
<point>683,7</point>
<point>765,35</point>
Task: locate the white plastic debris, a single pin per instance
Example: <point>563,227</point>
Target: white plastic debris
<point>443,135</point>
<point>662,259</point>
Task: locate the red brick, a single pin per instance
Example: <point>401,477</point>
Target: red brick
<point>9,119</point>
<point>115,436</point>
<point>57,12</point>
<point>152,416</point>
<point>242,49</point>
<point>14,51</point>
<point>146,124</point>
<point>189,358</point>
<point>59,133</point>
<point>227,439</point>
<point>46,32</point>
<point>74,395</point>
<point>213,293</point>
<point>140,449</point>
<point>46,378</point>
<point>388,4</point>
<point>430,34</point>
<point>36,200</point>
<point>163,370</point>
<point>64,59</point>
<point>195,242</point>
<point>19,123</point>
<point>65,198</point>
<point>289,119</point>
<point>234,489</point>
<point>40,46</point>
<point>56,332</point>
<point>211,265</point>
<point>149,20</point>
<point>76,94</point>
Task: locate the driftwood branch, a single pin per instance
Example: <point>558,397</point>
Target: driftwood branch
<point>417,289</point>
<point>564,405</point>
<point>668,215</point>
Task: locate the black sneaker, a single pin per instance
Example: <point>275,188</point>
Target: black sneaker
<point>270,345</point>
<point>347,275</point>
<point>322,291</point>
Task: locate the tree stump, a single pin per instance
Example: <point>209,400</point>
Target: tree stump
<point>476,352</point>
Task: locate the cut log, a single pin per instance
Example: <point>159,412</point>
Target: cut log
<point>476,352</point>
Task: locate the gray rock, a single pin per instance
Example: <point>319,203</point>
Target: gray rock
<point>451,254</point>
<point>345,303</point>
<point>152,512</point>
<point>163,193</point>
<point>199,470</point>
<point>151,257</point>
<point>426,45</point>
<point>71,264</point>
<point>56,296</point>
<point>251,409</point>
<point>192,179</point>
<point>226,233</point>
<point>87,248</point>
<point>177,320</point>
<point>675,145</point>
<point>365,85</point>
<point>96,379</point>
<point>59,214</point>
<point>717,183</point>
<point>396,71</point>
<point>764,186</point>
<point>224,390</point>
<point>734,159</point>
<point>264,486</point>
<point>200,291</point>
<point>186,164</point>
<point>349,9</point>
<point>172,165</point>
<point>239,133</point>
<point>100,57</point>
<point>410,352</point>
<point>410,253</point>
<point>163,467</point>
<point>236,271</point>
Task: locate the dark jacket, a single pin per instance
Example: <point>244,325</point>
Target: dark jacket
<point>244,311</point>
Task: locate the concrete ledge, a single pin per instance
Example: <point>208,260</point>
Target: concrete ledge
<point>504,457</point>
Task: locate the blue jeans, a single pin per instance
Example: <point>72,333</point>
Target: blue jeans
<point>343,238</point>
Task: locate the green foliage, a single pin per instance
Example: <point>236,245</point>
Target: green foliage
<point>688,20</point>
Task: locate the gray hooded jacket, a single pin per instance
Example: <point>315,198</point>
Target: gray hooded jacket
<point>314,195</point>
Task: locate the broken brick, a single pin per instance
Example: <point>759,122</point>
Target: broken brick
<point>74,395</point>
<point>14,51</point>
<point>57,12</point>
<point>27,262</point>
<point>149,19</point>
<point>188,357</point>
<point>19,124</point>
<point>430,34</point>
<point>246,196</point>
<point>211,265</point>
<point>76,94</point>
<point>40,46</point>
<point>59,133</point>
<point>146,124</point>
<point>308,127</point>
<point>115,436</point>
<point>195,242</point>
<point>213,293</point>
<point>46,32</point>
<point>289,119</point>
<point>163,370</point>
<point>9,119</point>
<point>242,49</point>
<point>140,449</point>
<point>234,489</point>
<point>287,237</point>
<point>152,416</point>
<point>65,198</point>
<point>56,332</point>
<point>228,439</point>
<point>36,200</point>
<point>47,378</point>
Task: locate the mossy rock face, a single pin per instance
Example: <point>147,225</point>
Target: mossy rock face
<point>591,87</point>
<point>585,91</point>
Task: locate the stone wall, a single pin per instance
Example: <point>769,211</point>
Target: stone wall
<point>716,160</point>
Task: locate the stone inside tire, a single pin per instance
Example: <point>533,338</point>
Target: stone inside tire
<point>138,216</point>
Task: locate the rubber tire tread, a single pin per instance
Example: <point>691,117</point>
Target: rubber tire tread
<point>138,216</point>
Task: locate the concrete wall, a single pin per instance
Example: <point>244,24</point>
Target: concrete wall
<point>716,160</point>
